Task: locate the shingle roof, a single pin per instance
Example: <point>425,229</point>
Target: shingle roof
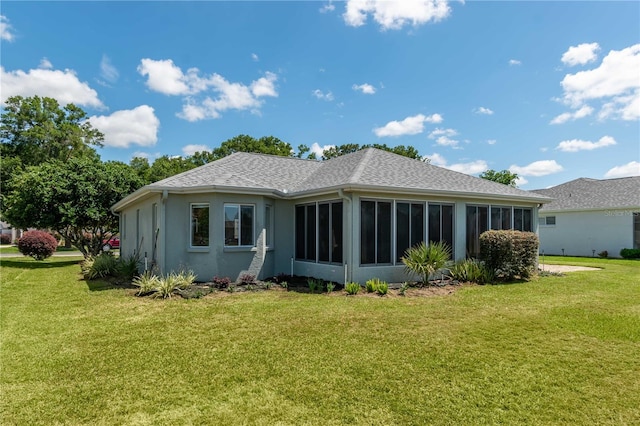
<point>585,193</point>
<point>365,169</point>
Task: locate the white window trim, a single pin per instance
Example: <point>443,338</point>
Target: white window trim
<point>240,247</point>
<point>191,246</point>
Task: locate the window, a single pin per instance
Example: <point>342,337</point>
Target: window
<point>123,232</point>
<point>137,228</point>
<point>409,227</point>
<point>548,220</point>
<point>522,219</point>
<point>319,232</point>
<point>500,217</point>
<point>199,225</point>
<point>636,230</point>
<point>375,232</point>
<point>268,225</point>
<point>477,223</point>
<point>238,225</point>
<point>441,223</point>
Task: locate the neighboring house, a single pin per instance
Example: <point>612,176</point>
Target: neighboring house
<point>349,218</point>
<point>7,229</point>
<point>589,216</point>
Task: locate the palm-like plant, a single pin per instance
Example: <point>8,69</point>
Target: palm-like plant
<point>424,259</point>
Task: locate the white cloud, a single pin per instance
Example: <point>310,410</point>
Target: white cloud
<point>138,126</point>
<point>629,169</point>
<point>514,62</point>
<point>521,181</point>
<point>395,14</point>
<point>537,168</point>
<point>581,54</point>
<point>165,77</point>
<point>107,70</point>
<point>472,167</point>
<point>319,150</point>
<point>365,88</point>
<point>614,82</point>
<point>323,96</point>
<point>566,116</point>
<point>255,57</point>
<point>575,145</point>
<point>483,111</point>
<point>192,149</point>
<point>6,30</point>
<point>329,7</point>
<point>443,137</point>
<point>64,86</point>
<point>492,141</point>
<point>45,64</point>
<point>409,126</point>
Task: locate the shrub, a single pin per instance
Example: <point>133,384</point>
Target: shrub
<point>247,279</point>
<point>146,283</point>
<point>371,285</point>
<point>509,254</point>
<point>37,244</point>
<point>284,284</point>
<point>603,254</point>
<point>314,285</point>
<point>128,266</point>
<point>424,260</point>
<point>403,288</point>
<point>167,285</point>
<point>330,287</point>
<point>183,279</point>
<point>219,282</point>
<point>101,266</point>
<point>5,239</point>
<point>470,270</point>
<point>627,253</point>
<point>352,288</point>
<point>382,288</point>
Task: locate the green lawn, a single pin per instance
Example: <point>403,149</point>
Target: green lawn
<point>14,249</point>
<point>557,350</point>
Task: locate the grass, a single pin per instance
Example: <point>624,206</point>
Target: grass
<point>556,350</point>
<point>11,249</point>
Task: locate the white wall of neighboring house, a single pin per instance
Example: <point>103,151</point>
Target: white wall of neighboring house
<point>579,233</point>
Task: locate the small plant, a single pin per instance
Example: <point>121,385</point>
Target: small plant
<point>221,282</point>
<point>352,288</point>
<point>146,283</point>
<point>403,288</point>
<point>167,285</point>
<point>101,266</point>
<point>330,287</point>
<point>603,254</point>
<point>284,284</point>
<point>268,285</point>
<point>231,288</point>
<point>314,285</point>
<point>372,285</point>
<point>247,279</point>
<point>382,288</point>
<point>128,266</point>
<point>5,239</point>
<point>250,287</point>
<point>424,260</point>
<point>470,270</point>
<point>37,244</point>
<point>184,279</point>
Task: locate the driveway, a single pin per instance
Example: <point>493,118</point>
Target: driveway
<point>565,268</point>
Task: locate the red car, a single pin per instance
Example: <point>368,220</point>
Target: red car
<point>112,243</point>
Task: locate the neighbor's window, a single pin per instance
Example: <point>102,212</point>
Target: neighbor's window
<point>238,225</point>
<point>199,225</point>
<point>548,220</point>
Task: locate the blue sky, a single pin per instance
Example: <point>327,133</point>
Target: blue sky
<point>549,90</point>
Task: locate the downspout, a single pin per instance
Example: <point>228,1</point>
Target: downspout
<point>163,227</point>
<point>348,272</point>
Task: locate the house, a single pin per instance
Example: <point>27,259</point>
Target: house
<point>349,218</point>
<point>589,216</point>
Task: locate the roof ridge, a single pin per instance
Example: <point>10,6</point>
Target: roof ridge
<point>357,172</point>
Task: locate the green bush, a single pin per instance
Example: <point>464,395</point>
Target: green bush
<point>128,266</point>
<point>627,253</point>
<point>424,260</point>
<point>382,288</point>
<point>101,266</point>
<point>314,285</point>
<point>470,270</point>
<point>403,288</point>
<point>146,283</point>
<point>372,285</point>
<point>352,288</point>
<point>37,244</point>
<point>509,254</point>
<point>330,287</point>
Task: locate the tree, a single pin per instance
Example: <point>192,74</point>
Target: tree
<point>245,143</point>
<point>37,130</point>
<point>505,177</point>
<point>405,151</point>
<point>73,198</point>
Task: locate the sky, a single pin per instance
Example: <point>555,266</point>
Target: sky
<point>548,90</point>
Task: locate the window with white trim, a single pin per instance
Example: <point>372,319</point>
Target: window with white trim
<point>268,225</point>
<point>547,220</point>
<point>239,225</point>
<point>199,225</point>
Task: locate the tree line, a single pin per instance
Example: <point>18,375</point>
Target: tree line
<point>53,178</point>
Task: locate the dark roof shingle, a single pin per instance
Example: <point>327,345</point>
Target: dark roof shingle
<point>585,194</point>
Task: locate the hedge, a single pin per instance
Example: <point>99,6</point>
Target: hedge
<point>628,253</point>
<point>510,254</point>
<point>37,244</point>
